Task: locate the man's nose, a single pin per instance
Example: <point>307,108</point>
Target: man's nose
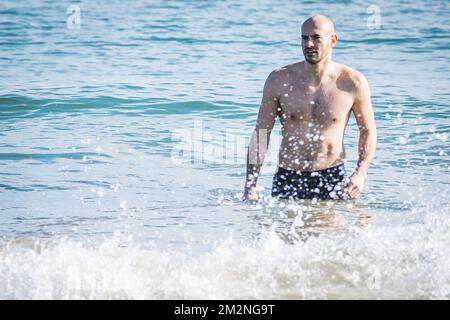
<point>309,43</point>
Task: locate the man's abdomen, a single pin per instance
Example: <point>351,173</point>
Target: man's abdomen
<point>308,152</point>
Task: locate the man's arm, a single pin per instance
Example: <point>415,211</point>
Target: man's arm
<point>259,141</point>
<point>364,115</point>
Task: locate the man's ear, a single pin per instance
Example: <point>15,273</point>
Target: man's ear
<point>334,40</point>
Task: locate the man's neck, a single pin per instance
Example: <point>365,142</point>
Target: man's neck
<point>319,71</point>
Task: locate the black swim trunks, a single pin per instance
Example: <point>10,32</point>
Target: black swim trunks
<point>323,184</point>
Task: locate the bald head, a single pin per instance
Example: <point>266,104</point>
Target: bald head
<point>319,22</point>
<point>318,38</point>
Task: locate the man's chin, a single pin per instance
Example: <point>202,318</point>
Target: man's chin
<point>311,61</point>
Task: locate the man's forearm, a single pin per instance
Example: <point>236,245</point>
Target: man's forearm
<point>366,147</point>
<point>257,150</point>
<point>252,174</point>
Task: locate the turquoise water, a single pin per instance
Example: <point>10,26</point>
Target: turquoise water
<point>122,154</point>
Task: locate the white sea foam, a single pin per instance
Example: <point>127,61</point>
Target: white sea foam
<point>376,262</point>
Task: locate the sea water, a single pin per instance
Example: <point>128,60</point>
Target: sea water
<point>123,139</point>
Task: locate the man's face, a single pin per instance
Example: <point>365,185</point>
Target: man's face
<point>316,43</point>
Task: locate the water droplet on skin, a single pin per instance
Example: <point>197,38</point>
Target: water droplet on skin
<point>286,95</point>
<point>312,102</point>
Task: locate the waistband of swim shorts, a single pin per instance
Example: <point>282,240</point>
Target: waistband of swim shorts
<point>340,167</point>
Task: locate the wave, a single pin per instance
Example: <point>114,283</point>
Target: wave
<point>20,106</point>
<point>390,262</point>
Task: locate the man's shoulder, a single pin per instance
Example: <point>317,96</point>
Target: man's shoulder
<point>289,68</point>
<point>354,76</point>
<point>284,72</point>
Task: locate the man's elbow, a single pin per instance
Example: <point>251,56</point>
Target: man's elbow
<point>368,136</point>
<point>368,131</point>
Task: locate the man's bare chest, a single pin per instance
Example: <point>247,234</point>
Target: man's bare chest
<point>324,105</point>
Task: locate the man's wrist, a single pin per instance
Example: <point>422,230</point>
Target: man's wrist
<point>361,173</point>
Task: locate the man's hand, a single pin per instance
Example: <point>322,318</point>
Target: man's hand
<point>250,194</point>
<point>355,184</point>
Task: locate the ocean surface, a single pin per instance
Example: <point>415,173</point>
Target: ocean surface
<point>122,153</point>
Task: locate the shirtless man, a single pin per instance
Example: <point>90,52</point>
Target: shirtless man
<point>313,99</point>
